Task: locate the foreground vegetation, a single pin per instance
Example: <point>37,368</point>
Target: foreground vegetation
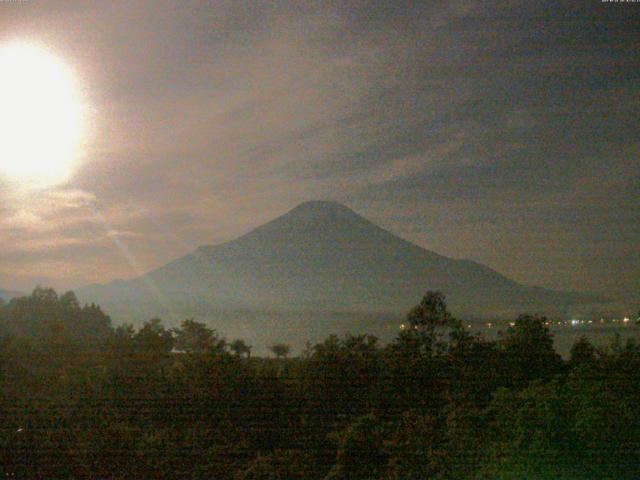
<point>82,399</point>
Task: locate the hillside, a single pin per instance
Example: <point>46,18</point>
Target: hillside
<point>7,295</point>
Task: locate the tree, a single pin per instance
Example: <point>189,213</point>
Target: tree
<point>239,347</point>
<point>280,350</point>
<point>583,352</point>
<point>153,337</point>
<point>428,320</point>
<point>124,332</point>
<point>69,301</point>
<point>528,346</point>
<point>528,434</point>
<point>431,311</point>
<point>196,337</point>
<point>44,295</point>
<point>341,377</point>
<point>360,454</point>
<point>280,465</point>
<point>48,319</point>
<point>413,449</point>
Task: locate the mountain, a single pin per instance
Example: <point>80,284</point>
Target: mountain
<point>6,295</point>
<point>320,256</point>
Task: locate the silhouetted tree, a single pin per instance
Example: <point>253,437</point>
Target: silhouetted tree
<point>527,434</point>
<point>428,321</point>
<point>414,449</point>
<point>196,337</point>
<point>529,352</point>
<point>582,352</point>
<point>360,452</point>
<point>239,347</point>
<point>80,399</point>
<point>280,350</point>
<point>280,465</point>
<point>153,337</point>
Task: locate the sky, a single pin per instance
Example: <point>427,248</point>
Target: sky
<point>503,132</point>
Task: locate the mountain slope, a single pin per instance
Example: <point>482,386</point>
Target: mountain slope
<point>6,295</point>
<point>321,256</point>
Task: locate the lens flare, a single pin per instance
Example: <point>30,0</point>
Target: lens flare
<point>41,117</point>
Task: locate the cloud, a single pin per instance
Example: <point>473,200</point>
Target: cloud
<point>70,198</point>
<point>22,219</point>
<point>123,234</point>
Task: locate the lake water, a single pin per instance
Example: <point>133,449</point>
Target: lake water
<point>261,329</point>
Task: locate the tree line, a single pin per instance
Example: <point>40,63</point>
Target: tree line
<point>82,398</point>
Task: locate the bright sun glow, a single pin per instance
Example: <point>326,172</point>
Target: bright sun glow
<point>41,117</point>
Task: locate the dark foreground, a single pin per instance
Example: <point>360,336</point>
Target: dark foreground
<point>81,399</point>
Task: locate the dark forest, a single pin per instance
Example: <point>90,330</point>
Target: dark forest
<point>81,398</point>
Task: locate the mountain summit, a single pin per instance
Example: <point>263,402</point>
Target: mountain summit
<point>322,208</point>
<point>321,256</point>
